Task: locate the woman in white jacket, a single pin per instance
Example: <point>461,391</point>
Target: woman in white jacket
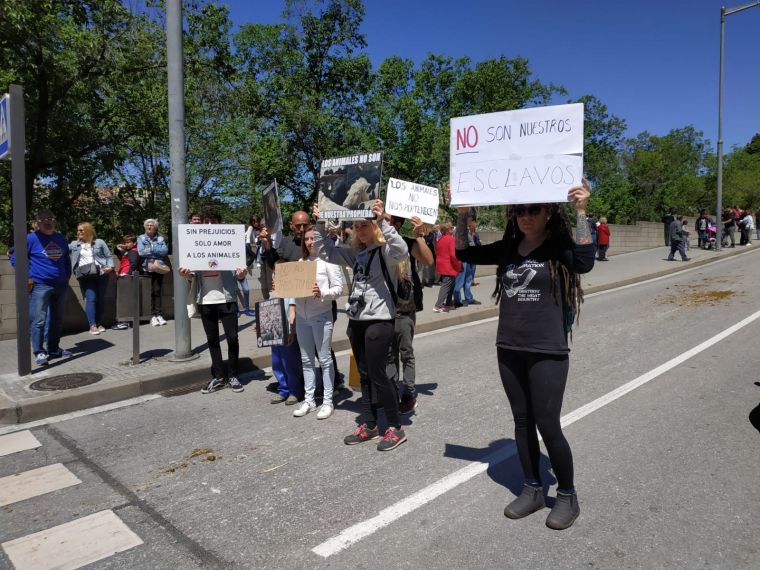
<point>314,329</point>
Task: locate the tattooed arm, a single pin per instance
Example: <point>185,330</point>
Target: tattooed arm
<point>579,196</point>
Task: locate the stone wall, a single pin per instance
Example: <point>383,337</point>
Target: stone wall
<point>643,235</point>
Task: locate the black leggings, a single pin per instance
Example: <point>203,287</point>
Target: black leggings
<point>535,385</point>
<point>210,316</point>
<point>371,341</point>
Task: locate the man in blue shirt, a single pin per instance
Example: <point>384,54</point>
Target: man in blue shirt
<point>49,272</point>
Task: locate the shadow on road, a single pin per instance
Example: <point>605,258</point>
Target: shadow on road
<point>507,473</point>
<point>754,417</point>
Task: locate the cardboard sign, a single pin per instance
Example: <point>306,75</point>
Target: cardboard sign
<point>295,278</point>
<point>271,329</point>
<point>349,185</point>
<point>407,199</point>
<point>211,247</point>
<point>272,212</point>
<point>516,157</point>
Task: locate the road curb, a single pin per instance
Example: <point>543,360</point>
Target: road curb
<point>96,395</point>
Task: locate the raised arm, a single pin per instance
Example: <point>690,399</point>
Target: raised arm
<point>326,249</point>
<point>579,196</point>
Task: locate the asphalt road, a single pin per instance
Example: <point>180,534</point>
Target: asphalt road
<point>666,473</point>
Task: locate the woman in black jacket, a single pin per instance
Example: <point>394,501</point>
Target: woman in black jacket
<point>539,292</point>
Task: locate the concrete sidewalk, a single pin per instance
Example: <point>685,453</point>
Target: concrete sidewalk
<point>109,354</point>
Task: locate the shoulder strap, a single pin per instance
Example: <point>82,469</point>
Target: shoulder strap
<point>391,288</point>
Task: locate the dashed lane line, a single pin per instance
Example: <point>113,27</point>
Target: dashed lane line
<point>73,544</point>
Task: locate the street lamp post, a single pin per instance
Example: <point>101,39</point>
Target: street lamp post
<point>719,208</point>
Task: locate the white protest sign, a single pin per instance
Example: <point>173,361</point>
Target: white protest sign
<point>516,157</point>
<point>211,247</point>
<point>407,199</point>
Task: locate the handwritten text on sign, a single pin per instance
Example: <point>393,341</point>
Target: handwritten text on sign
<point>407,199</point>
<point>211,247</point>
<point>295,279</point>
<point>514,157</point>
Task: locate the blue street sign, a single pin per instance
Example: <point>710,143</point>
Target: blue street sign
<point>5,127</point>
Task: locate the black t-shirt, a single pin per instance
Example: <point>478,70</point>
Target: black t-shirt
<point>531,315</point>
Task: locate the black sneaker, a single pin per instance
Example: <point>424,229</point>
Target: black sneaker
<point>530,500</point>
<point>474,302</point>
<point>235,384</point>
<point>407,405</point>
<point>361,434</point>
<point>215,385</point>
<point>392,439</point>
<point>564,513</point>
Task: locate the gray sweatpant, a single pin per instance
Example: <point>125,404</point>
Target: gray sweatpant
<point>402,346</point>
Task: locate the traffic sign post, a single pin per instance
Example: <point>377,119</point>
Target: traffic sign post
<point>12,109</point>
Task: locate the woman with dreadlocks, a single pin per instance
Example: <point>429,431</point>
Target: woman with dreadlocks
<point>538,288</point>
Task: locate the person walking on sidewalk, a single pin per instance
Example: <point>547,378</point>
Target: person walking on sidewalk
<point>676,240</point>
<point>91,262</point>
<point>447,266</point>
<point>49,272</point>
<point>216,297</point>
<point>154,252</point>
<point>539,292</point>
<point>314,327</point>
<point>376,252</point>
<point>406,317</point>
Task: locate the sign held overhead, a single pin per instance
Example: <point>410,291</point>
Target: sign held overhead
<point>516,157</point>
<point>407,199</point>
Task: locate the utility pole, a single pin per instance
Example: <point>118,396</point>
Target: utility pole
<point>176,83</point>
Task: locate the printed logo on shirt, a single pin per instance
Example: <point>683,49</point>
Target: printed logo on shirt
<point>516,279</point>
<point>53,251</point>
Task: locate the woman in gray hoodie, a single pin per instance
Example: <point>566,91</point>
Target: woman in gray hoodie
<point>376,252</point>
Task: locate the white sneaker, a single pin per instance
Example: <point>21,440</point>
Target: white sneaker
<point>325,411</point>
<point>154,322</point>
<point>161,320</point>
<point>304,409</point>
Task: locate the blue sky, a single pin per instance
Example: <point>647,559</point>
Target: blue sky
<point>653,63</point>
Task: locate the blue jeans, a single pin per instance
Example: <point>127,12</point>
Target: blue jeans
<point>315,338</point>
<point>464,279</point>
<point>46,306</point>
<point>94,295</point>
<point>286,367</point>
<point>246,293</point>
<point>679,247</point>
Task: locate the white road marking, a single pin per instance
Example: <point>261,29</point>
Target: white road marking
<point>80,413</point>
<point>22,486</point>
<point>405,506</point>
<point>20,441</point>
<point>72,545</point>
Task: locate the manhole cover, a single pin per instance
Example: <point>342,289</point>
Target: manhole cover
<point>66,381</point>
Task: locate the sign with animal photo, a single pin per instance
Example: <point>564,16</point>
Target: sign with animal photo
<point>295,278</point>
<point>211,247</point>
<point>516,157</point>
<point>407,199</point>
<point>272,212</point>
<point>271,329</point>
<point>349,185</point>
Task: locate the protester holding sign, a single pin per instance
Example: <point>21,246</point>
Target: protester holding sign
<point>375,254</point>
<point>314,327</point>
<point>539,292</point>
<point>216,296</point>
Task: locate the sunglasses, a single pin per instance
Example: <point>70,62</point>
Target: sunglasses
<point>520,211</point>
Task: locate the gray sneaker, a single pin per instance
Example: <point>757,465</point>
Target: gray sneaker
<point>530,500</point>
<point>235,384</point>
<point>564,513</point>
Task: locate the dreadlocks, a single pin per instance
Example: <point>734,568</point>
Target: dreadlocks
<point>557,230</point>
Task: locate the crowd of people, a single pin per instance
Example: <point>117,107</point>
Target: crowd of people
<point>537,261</point>
<point>678,230</point>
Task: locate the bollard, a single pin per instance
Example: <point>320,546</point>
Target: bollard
<point>136,318</point>
<point>354,381</point>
